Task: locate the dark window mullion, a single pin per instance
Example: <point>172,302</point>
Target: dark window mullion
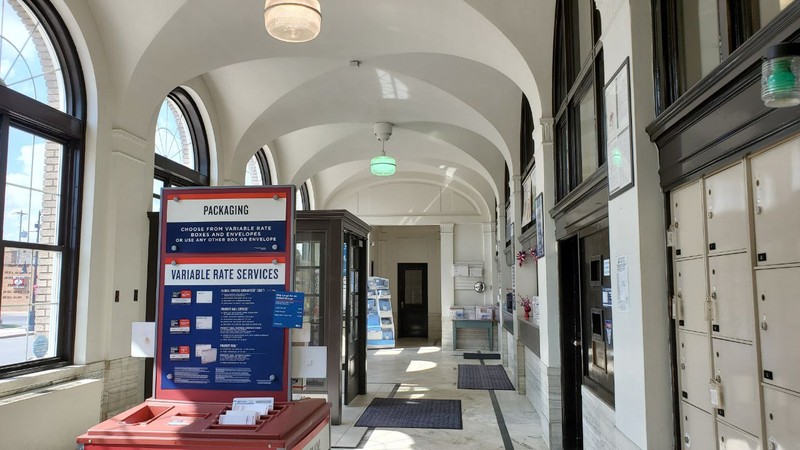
<point>32,246</point>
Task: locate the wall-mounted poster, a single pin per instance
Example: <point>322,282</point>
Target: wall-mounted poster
<point>619,154</point>
<point>539,207</point>
<point>527,200</point>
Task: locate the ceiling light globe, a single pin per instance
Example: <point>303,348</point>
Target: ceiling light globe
<point>382,166</point>
<point>292,20</point>
<point>780,76</point>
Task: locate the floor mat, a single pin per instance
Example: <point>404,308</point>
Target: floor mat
<point>412,413</point>
<point>473,376</point>
<point>481,355</point>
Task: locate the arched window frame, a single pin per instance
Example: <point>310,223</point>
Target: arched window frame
<point>170,173</point>
<point>263,167</point>
<point>303,201</point>
<point>67,129</point>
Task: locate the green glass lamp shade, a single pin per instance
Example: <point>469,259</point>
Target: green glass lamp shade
<point>382,166</point>
<point>780,72</point>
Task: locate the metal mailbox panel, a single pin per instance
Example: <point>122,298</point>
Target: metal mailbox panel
<point>778,299</point>
<point>726,211</point>
<point>687,221</point>
<point>736,366</point>
<point>731,286</point>
<point>690,293</point>
<point>697,429</point>
<point>783,428</point>
<point>694,369</point>
<point>776,201</point>
<point>733,439</point>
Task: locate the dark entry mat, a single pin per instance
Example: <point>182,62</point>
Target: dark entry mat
<point>481,355</point>
<point>473,376</point>
<point>412,413</point>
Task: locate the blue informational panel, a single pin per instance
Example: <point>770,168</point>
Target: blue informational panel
<point>288,311</point>
<point>225,252</point>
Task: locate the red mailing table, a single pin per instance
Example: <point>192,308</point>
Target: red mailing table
<point>174,425</point>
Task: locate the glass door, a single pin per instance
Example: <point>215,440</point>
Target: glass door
<point>309,271</point>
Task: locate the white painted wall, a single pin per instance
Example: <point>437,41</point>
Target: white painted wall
<point>410,245</point>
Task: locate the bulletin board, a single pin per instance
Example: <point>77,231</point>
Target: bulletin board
<point>619,142</point>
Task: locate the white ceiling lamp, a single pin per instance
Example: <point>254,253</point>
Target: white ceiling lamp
<point>382,165</point>
<point>292,20</point>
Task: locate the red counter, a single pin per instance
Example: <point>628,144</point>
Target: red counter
<point>175,425</point>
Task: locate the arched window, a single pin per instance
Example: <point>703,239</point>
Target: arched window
<point>303,203</point>
<point>257,172</point>
<point>42,107</point>
<point>181,145</point>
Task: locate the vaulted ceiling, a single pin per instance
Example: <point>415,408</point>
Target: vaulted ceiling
<point>449,74</point>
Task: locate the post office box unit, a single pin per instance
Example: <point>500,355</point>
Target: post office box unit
<point>690,295</point>
<point>736,370</point>
<point>732,439</point>
<point>731,286</point>
<point>687,221</point>
<point>776,198</point>
<point>726,211</point>
<point>778,299</point>
<point>697,429</point>
<point>783,426</point>
<point>694,369</point>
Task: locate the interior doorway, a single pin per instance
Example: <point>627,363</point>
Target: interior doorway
<point>412,300</point>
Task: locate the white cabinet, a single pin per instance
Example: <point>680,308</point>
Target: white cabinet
<point>697,429</point>
<point>690,295</point>
<point>733,439</point>
<point>687,221</point>
<point>694,368</point>
<point>726,211</point>
<point>731,287</point>
<point>736,369</point>
<point>778,298</point>
<point>783,424</point>
<point>776,202</point>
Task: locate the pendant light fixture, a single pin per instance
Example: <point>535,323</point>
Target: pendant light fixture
<point>382,165</point>
<point>292,20</point>
<point>780,76</point>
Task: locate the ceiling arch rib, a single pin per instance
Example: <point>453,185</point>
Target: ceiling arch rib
<point>183,48</point>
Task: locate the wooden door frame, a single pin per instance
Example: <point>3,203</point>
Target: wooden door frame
<point>401,267</point>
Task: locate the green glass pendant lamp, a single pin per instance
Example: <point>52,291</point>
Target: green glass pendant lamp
<point>382,165</point>
<point>780,76</point>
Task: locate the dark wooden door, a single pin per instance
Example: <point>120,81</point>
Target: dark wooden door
<point>571,354</point>
<point>412,288</point>
<point>354,314</point>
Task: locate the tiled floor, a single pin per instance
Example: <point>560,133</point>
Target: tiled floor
<point>428,372</point>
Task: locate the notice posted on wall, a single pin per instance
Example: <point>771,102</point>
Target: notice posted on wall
<point>210,224</point>
<point>218,331</point>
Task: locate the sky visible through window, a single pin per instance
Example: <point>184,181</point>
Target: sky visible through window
<point>27,60</point>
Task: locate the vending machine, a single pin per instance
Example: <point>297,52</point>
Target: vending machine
<point>380,323</point>
<point>225,308</point>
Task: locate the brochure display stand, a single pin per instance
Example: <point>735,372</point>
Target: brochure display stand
<point>380,323</point>
<point>223,320</point>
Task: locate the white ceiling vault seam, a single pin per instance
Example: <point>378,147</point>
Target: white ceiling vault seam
<point>449,74</point>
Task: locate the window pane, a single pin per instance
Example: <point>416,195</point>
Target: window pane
<point>28,63</point>
<point>29,305</point>
<point>253,174</point>
<point>33,180</point>
<point>588,134</point>
<point>173,139</point>
<point>768,9</point>
<point>585,40</point>
<point>700,39</point>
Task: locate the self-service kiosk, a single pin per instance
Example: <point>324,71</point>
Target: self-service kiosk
<point>222,331</point>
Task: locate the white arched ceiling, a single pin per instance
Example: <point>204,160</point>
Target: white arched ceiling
<point>448,73</point>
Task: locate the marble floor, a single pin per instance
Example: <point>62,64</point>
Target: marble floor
<point>417,370</point>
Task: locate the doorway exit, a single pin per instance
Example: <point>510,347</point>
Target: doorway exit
<point>412,300</point>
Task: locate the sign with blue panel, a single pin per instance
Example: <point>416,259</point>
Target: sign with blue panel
<point>214,224</point>
<point>288,312</point>
<point>225,252</point>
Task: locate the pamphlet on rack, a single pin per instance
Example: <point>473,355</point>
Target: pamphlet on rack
<point>247,410</point>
